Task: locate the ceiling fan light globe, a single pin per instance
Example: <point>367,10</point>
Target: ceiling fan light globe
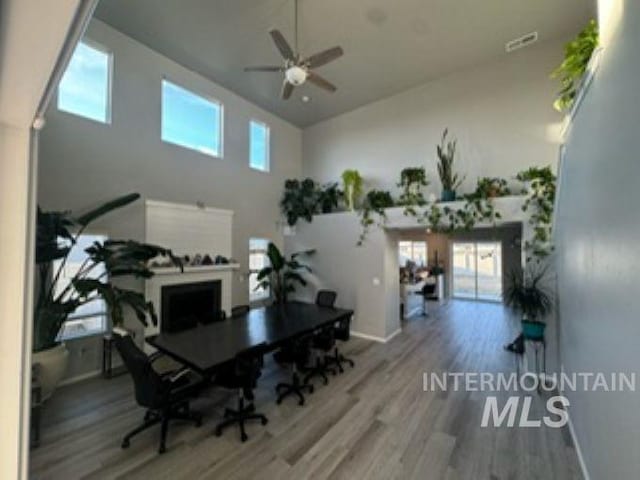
<point>296,75</point>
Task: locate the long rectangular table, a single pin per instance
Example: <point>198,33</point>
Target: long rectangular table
<point>207,346</point>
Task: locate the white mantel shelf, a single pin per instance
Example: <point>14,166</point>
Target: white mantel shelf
<point>196,269</point>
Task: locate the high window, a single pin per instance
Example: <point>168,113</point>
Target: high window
<point>259,146</point>
<point>191,120</point>
<point>415,252</point>
<point>85,88</point>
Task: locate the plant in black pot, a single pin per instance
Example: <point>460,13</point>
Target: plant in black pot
<point>529,295</point>
<point>376,201</point>
<point>282,274</point>
<point>299,200</point>
<point>63,289</point>
<point>446,154</point>
<point>329,198</point>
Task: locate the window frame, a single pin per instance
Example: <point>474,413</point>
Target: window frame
<point>109,105</point>
<point>412,256</point>
<point>204,96</point>
<point>253,298</point>
<point>267,128</point>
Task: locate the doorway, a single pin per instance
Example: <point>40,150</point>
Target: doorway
<point>477,270</point>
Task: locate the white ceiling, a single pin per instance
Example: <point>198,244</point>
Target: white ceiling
<point>390,45</point>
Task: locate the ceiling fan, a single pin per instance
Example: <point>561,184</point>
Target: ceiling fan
<point>298,69</point>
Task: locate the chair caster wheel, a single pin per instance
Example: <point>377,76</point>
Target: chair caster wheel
<point>301,402</point>
<point>264,421</point>
<point>162,449</point>
<point>198,423</point>
<point>311,389</point>
<point>326,381</point>
<point>125,444</point>
<point>278,401</point>
<point>243,437</point>
<point>217,432</point>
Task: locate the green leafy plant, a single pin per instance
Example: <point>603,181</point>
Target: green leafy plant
<point>353,184</point>
<point>540,201</point>
<point>412,180</point>
<point>56,234</point>
<point>446,154</point>
<point>527,293</point>
<point>492,187</point>
<point>328,198</point>
<point>299,200</point>
<point>376,202</point>
<point>577,54</point>
<point>282,275</point>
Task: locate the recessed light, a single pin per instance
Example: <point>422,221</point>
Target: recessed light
<point>305,98</point>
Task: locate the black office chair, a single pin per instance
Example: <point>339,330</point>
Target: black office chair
<point>296,354</point>
<point>239,310</point>
<point>342,332</point>
<point>427,292</point>
<point>166,397</point>
<point>323,341</point>
<point>242,375</point>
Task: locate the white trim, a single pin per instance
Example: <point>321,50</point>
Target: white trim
<point>79,378</point>
<point>374,338</point>
<point>195,269</point>
<point>576,446</point>
<point>184,206</point>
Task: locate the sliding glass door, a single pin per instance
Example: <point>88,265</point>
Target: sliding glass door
<point>477,270</point>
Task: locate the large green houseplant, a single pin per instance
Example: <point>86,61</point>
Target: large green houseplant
<point>59,295</point>
<point>528,294</point>
<point>282,274</point>
<point>446,156</point>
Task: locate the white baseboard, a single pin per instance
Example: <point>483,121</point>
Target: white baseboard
<point>374,338</point>
<point>574,438</point>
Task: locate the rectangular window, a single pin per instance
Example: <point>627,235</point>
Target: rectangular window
<point>477,270</point>
<point>259,146</point>
<point>90,318</point>
<point>85,88</point>
<point>190,120</point>
<point>415,252</point>
<point>257,261</point>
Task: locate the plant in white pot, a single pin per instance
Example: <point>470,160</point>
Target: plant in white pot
<point>58,295</point>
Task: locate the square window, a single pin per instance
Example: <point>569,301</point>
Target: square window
<point>85,88</point>
<point>190,120</point>
<point>259,146</point>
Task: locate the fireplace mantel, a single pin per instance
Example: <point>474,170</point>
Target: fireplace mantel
<point>189,269</point>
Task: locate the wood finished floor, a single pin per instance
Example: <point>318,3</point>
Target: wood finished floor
<point>373,422</point>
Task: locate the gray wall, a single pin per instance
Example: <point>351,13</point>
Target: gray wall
<point>597,239</point>
<point>83,163</point>
<point>501,113</point>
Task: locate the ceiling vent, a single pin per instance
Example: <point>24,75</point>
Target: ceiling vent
<point>521,42</point>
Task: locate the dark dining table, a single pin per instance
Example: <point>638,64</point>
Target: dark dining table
<point>206,347</point>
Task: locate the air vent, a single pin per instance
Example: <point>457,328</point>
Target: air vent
<point>521,42</point>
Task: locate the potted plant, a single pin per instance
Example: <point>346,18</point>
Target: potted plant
<point>58,297</point>
<point>329,198</point>
<point>446,154</point>
<point>376,201</point>
<point>282,274</point>
<point>528,295</point>
<point>412,180</point>
<point>577,54</point>
<point>492,187</point>
<point>352,183</point>
<point>299,200</point>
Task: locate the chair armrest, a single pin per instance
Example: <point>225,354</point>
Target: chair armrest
<point>173,377</point>
<point>155,356</point>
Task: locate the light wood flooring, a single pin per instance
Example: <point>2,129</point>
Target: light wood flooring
<point>373,422</point>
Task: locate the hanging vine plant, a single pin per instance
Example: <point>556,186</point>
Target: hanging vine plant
<point>577,54</point>
<point>412,181</point>
<point>540,202</point>
<point>376,202</point>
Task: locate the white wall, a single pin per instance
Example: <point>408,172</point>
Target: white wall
<point>500,112</point>
<point>84,162</point>
<point>598,233</point>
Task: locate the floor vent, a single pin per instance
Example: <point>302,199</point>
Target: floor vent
<point>521,42</point>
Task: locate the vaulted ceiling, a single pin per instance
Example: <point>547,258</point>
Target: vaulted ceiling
<point>389,46</point>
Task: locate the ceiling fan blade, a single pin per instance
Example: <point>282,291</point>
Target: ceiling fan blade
<point>324,57</point>
<point>287,90</point>
<point>265,68</point>
<point>321,82</point>
<point>283,46</point>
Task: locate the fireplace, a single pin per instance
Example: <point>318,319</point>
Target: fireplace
<point>186,304</point>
